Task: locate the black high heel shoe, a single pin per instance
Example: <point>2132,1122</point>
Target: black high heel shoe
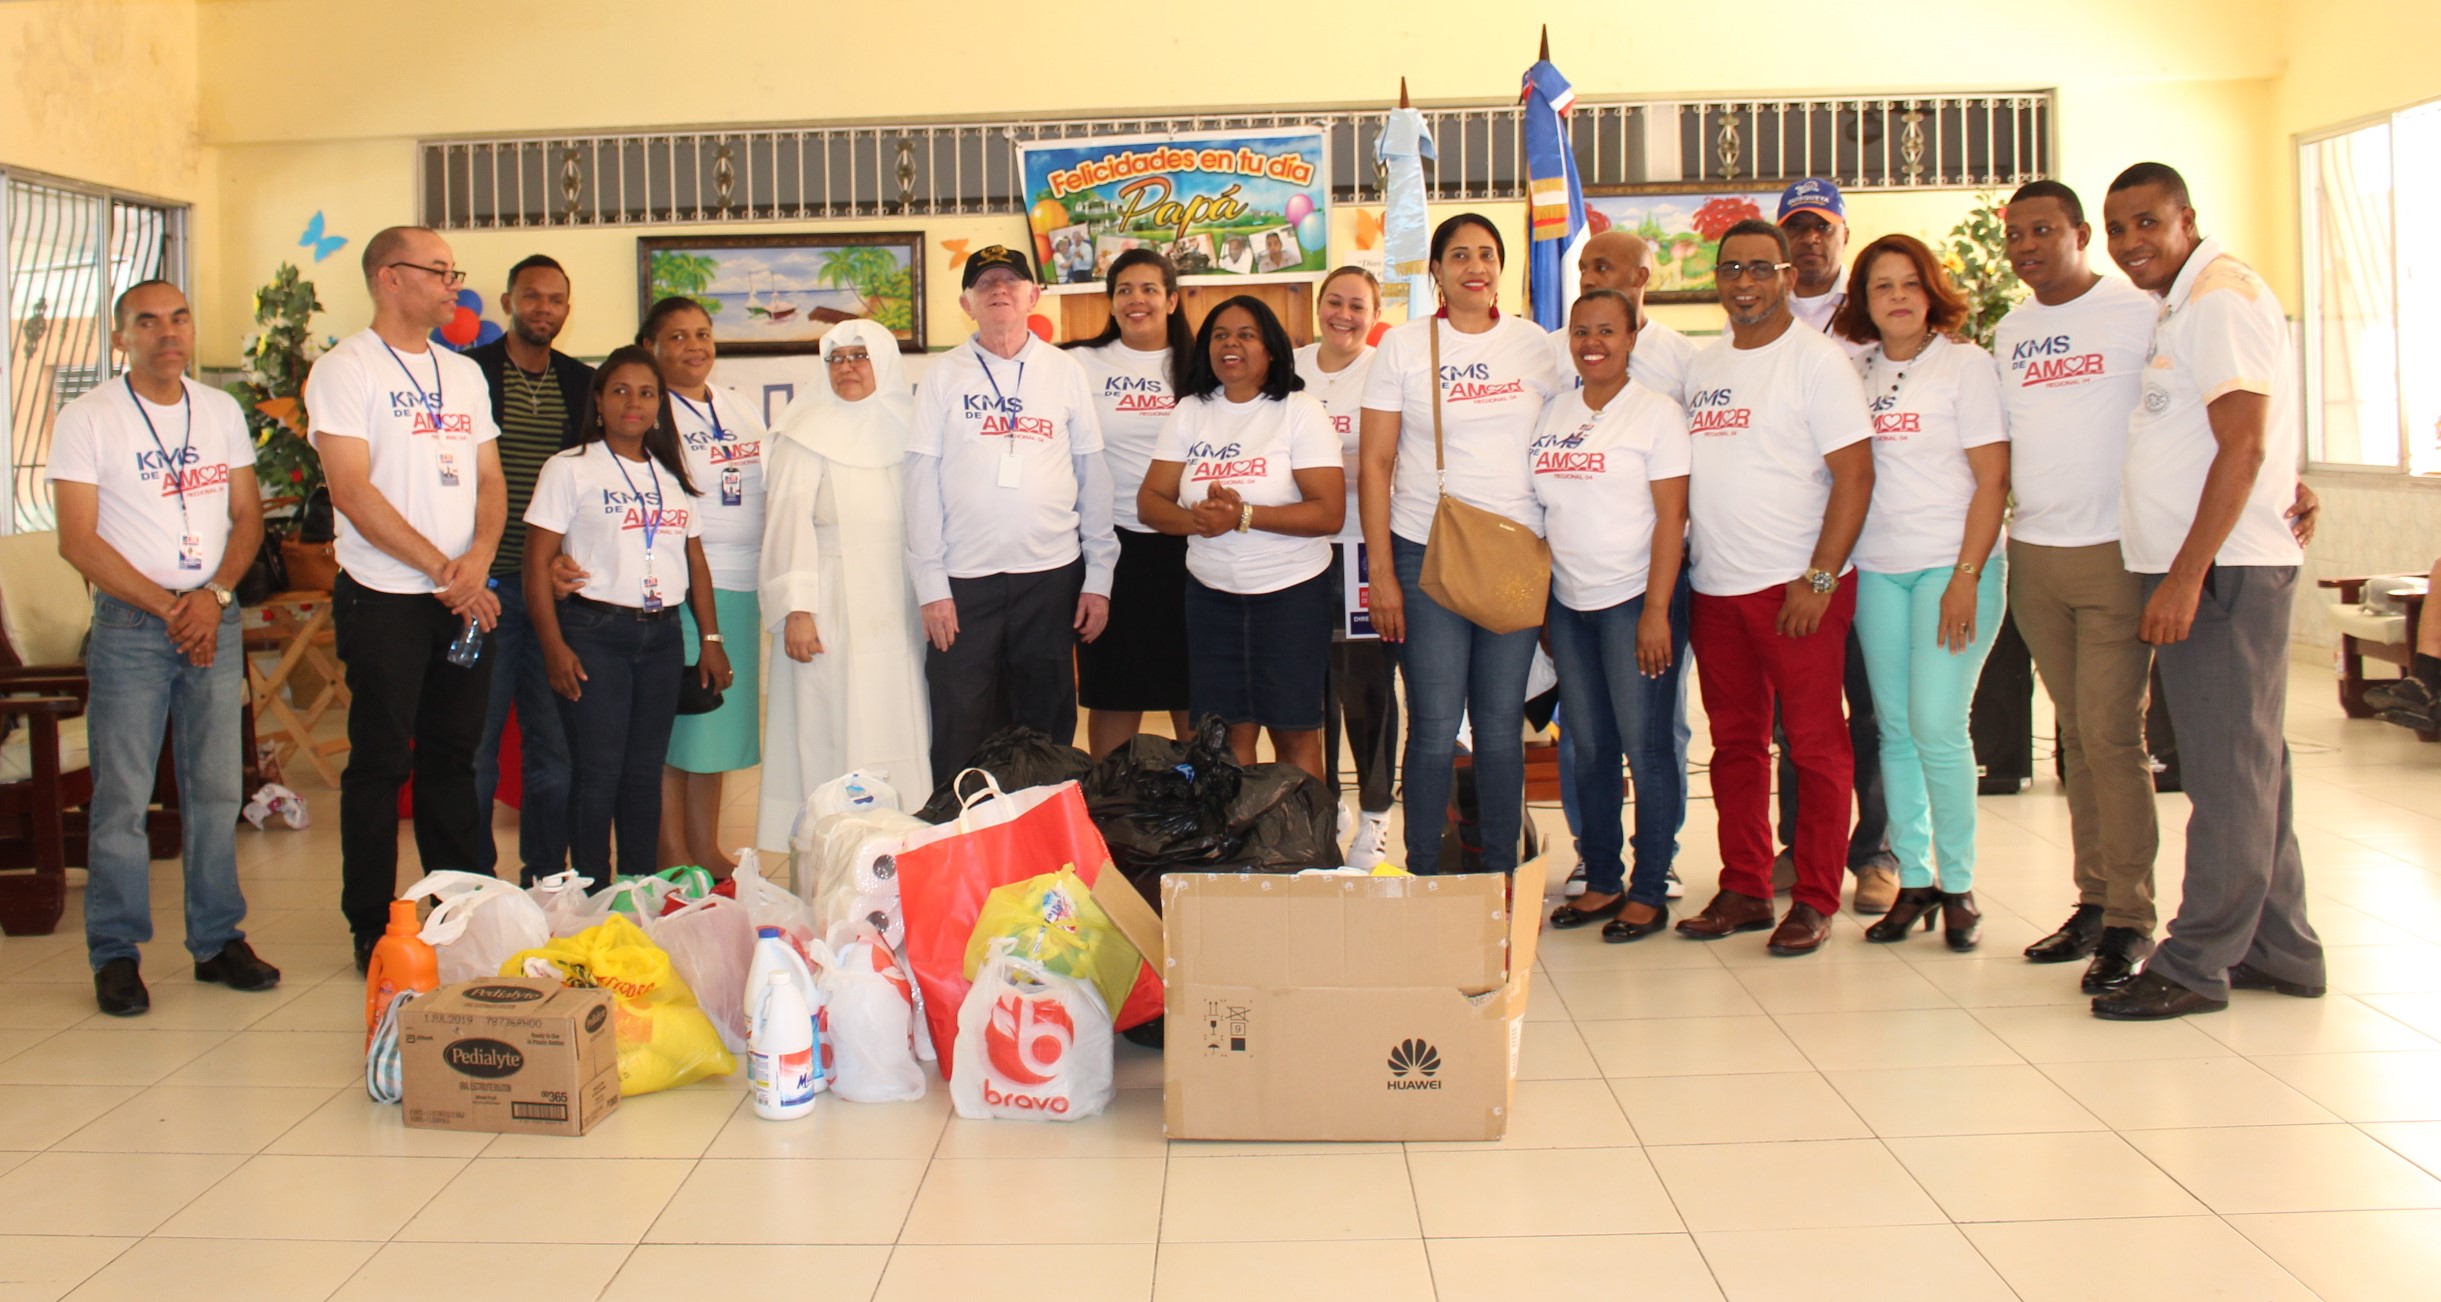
<point>1961,921</point>
<point>1913,903</point>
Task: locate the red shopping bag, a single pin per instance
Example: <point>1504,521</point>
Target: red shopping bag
<point>945,872</point>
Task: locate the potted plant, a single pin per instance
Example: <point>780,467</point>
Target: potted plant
<point>271,389</point>
<point>1976,257</point>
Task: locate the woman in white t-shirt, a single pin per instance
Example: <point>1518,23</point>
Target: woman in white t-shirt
<point>1610,468</point>
<point>1247,470</point>
<point>1139,663</point>
<point>1362,695</point>
<point>1495,375</point>
<point>725,444</point>
<point>624,507</point>
<point>1929,587</point>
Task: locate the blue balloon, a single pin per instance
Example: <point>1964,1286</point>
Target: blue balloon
<point>1314,233</point>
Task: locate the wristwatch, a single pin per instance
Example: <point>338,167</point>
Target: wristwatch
<point>1969,568</point>
<point>1823,582</point>
<point>220,594</point>
<point>713,638</point>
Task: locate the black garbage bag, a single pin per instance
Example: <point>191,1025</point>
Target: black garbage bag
<point>1017,757</point>
<point>1167,806</point>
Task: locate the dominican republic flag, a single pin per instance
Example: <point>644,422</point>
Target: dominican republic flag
<point>1555,194</point>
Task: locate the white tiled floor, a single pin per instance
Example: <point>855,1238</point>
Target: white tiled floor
<point>1695,1121</point>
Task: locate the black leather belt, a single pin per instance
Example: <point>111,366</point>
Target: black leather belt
<point>617,611</point>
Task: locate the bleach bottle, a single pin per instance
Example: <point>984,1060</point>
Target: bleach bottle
<point>781,1064</point>
<point>774,956</point>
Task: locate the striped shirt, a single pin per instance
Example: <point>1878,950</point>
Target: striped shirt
<point>533,422</point>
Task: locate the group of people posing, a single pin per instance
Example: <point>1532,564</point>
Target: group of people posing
<point>1149,521</point>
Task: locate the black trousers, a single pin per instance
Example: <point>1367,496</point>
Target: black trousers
<point>1362,690</point>
<point>1870,834</point>
<point>1013,662</point>
<point>414,714</point>
<point>618,731</point>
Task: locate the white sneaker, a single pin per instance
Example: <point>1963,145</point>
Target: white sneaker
<point>1347,823</point>
<point>1676,888</point>
<point>1576,882</point>
<point>1369,848</point>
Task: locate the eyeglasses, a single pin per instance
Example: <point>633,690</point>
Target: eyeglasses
<point>845,358</point>
<point>1756,270</point>
<point>450,277</point>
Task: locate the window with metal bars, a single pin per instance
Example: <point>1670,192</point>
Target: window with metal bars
<point>70,250</point>
<point>813,172</point>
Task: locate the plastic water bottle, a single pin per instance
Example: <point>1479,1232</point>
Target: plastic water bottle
<point>469,647</point>
<point>774,956</point>
<point>781,1063</point>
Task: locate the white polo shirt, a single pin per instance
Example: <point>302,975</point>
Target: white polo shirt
<point>1342,395</point>
<point>604,507</point>
<point>1493,387</point>
<point>1005,438</point>
<point>163,489</point>
<point>1593,474</point>
<point>1927,411</point>
<point>2220,332</point>
<point>1131,395</point>
<point>2070,374</point>
<point>1762,419</point>
<point>725,442</point>
<point>423,417</point>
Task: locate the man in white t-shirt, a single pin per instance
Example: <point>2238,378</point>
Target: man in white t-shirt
<point>1620,260</point>
<point>1783,473</point>
<point>2210,475</point>
<point>408,443</point>
<point>2071,367</point>
<point>1009,540</point>
<point>153,479</point>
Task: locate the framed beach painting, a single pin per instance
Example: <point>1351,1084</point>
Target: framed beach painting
<point>1682,221</point>
<point>777,294</point>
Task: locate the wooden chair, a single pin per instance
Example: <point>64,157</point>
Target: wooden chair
<point>45,781</point>
<point>2371,630</point>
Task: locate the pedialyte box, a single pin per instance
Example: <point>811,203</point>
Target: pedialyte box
<point>509,1055</point>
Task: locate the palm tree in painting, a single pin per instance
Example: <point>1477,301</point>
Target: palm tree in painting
<point>687,275</point>
<point>863,268</point>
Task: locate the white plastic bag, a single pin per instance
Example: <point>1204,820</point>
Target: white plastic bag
<point>564,902</point>
<point>869,1015</point>
<point>769,906</point>
<point>1032,1045</point>
<point>477,923</point>
<point>857,791</point>
<point>846,867</point>
<point>711,943</point>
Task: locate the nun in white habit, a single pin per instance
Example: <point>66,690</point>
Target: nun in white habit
<point>847,682</point>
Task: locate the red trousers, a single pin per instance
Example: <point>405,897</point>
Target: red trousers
<point>1744,665</point>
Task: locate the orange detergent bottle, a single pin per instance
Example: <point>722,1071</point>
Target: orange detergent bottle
<point>401,961</point>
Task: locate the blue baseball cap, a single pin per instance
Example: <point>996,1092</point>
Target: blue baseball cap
<point>1814,195</point>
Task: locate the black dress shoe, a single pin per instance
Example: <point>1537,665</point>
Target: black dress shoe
<point>2115,959</point>
<point>1619,931</point>
<point>1569,915</point>
<point>2243,977</point>
<point>2074,940</point>
<point>2153,997</point>
<point>364,954</point>
<point>237,967</point>
<point>119,989</point>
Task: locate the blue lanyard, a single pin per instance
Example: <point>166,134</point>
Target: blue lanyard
<point>175,469</point>
<point>984,360</point>
<point>432,400</point>
<point>652,520</point>
<point>710,413</point>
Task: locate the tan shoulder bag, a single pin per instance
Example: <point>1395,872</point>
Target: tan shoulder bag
<point>1480,564</point>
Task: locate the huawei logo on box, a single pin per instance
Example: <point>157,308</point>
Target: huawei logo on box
<point>1417,1059</point>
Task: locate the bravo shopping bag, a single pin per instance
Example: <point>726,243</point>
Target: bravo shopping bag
<point>664,1038</point>
<point>1032,1045</point>
<point>946,873</point>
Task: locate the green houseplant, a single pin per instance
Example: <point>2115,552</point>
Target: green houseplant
<point>271,386</point>
<point>1975,255</point>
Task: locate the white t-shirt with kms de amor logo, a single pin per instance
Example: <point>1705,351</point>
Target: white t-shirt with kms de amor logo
<point>1493,387</point>
<point>605,508</point>
<point>1762,419</point>
<point>163,490</point>
<point>1594,473</point>
<point>1342,395</point>
<point>424,417</point>
<point>724,441</point>
<point>2070,374</point>
<point>1254,448</point>
<point>1005,431</point>
<point>1927,411</point>
<point>1131,393</point>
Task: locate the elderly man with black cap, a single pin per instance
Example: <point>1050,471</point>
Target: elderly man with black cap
<point>1009,540</point>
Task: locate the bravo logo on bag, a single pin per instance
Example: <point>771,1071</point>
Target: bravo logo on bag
<point>1032,1044</point>
<point>1026,1039</point>
<point>1414,1058</point>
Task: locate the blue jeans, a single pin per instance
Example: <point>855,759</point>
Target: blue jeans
<point>518,678</point>
<point>618,730</point>
<point>1921,696</point>
<point>1455,668</point>
<point>1679,735</point>
<point>140,683</point>
<point>1614,710</point>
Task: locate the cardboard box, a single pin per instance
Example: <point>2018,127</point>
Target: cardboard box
<point>511,1055</point>
<point>1343,1008</point>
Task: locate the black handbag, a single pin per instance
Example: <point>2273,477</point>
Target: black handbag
<point>694,695</point>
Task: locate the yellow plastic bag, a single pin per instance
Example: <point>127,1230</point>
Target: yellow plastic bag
<point>665,1040</point>
<point>1056,922</point>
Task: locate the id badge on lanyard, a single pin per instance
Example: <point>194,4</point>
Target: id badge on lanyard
<point>732,486</point>
<point>1012,470</point>
<point>190,551</point>
<point>652,587</point>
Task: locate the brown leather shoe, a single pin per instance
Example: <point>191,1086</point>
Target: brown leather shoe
<point>1801,932</point>
<point>1727,914</point>
<point>1877,888</point>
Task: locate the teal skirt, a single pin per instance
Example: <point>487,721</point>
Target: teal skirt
<point>730,737</point>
